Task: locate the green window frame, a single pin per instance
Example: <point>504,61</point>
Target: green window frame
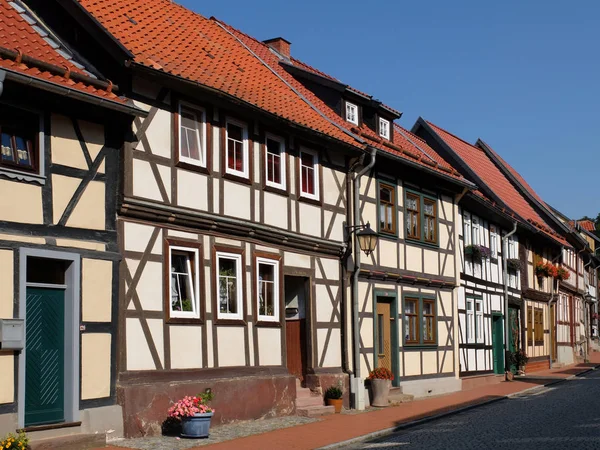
<point>427,218</point>
<point>420,319</point>
<point>387,207</point>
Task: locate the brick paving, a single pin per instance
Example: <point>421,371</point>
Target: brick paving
<point>342,427</point>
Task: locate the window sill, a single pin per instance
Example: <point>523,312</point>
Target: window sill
<point>420,346</point>
<point>192,167</point>
<point>268,324</point>
<point>185,320</point>
<point>312,201</point>
<point>388,235</point>
<point>422,243</point>
<point>22,176</point>
<point>237,178</point>
<point>230,322</point>
<point>276,190</point>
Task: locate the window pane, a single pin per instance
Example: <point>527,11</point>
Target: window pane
<point>235,132</point>
<point>390,217</point>
<point>228,301</point>
<point>429,208</point>
<point>273,161</point>
<point>410,307</point>
<point>427,308</point>
<point>380,333</point>
<point>385,195</point>
<point>266,290</point>
<point>182,298</point>
<point>7,150</point>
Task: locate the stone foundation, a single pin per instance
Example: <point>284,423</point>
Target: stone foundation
<point>145,403</point>
<point>537,364</point>
<point>320,382</point>
<point>428,387</point>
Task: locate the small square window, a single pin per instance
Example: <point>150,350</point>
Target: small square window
<point>384,128</point>
<point>309,174</point>
<point>229,284</point>
<point>236,151</point>
<point>192,135</point>
<point>267,285</point>
<point>352,113</point>
<point>275,156</point>
<point>183,266</point>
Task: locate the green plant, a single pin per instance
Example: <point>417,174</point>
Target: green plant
<point>519,358</point>
<point>206,396</point>
<point>513,264</point>
<point>12,442</point>
<point>477,252</point>
<point>381,373</point>
<point>334,393</point>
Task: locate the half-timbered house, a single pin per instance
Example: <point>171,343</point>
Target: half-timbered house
<point>529,300</point>
<point>62,129</point>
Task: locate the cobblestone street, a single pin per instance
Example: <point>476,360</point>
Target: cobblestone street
<point>566,415</point>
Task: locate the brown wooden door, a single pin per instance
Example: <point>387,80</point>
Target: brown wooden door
<point>295,333</point>
<point>384,336</point>
<point>553,327</point>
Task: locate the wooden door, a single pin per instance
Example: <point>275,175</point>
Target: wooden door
<point>295,333</point>
<point>384,336</point>
<point>45,356</point>
<point>498,344</point>
<point>553,326</point>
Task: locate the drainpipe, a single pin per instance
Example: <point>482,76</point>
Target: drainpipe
<point>359,402</point>
<point>504,267</point>
<point>585,311</point>
<point>2,77</point>
<point>553,296</point>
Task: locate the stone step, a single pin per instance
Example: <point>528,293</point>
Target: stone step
<point>303,393</point>
<point>315,411</point>
<point>304,402</point>
<point>70,442</point>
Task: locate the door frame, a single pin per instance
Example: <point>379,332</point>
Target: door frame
<point>392,295</point>
<point>72,289</point>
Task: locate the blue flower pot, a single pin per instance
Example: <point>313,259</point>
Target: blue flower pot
<point>196,426</point>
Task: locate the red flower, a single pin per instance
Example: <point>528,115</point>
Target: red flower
<point>381,373</point>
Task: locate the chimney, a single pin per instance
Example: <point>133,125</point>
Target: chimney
<point>280,45</point>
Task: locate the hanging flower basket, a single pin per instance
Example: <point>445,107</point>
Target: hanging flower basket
<point>546,270</point>
<point>513,264</point>
<point>478,252</point>
<point>562,274</point>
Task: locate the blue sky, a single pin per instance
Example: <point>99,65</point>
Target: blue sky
<point>522,75</point>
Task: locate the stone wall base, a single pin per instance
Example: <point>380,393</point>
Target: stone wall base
<point>241,398</point>
<point>428,387</point>
<point>320,382</point>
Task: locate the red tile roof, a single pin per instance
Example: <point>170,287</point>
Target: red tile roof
<point>587,225</point>
<point>18,36</point>
<point>496,181</point>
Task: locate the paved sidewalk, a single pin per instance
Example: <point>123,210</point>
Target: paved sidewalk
<point>341,427</point>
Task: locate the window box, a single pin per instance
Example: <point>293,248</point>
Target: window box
<point>309,174</point>
<point>420,321</point>
<point>229,279</point>
<point>182,274</point>
<point>421,217</point>
<point>191,137</point>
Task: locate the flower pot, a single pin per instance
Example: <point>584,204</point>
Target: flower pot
<point>196,426</point>
<point>336,403</point>
<point>381,390</point>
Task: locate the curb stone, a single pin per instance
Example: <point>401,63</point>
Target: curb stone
<point>413,423</point>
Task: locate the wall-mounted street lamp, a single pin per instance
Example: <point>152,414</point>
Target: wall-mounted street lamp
<point>367,238</point>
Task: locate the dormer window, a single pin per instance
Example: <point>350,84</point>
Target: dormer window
<point>352,113</point>
<point>384,128</point>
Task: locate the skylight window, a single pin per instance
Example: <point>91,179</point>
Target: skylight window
<point>352,113</point>
<point>384,128</point>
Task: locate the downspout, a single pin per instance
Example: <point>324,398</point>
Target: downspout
<point>504,268</point>
<point>2,77</point>
<point>553,295</point>
<point>358,403</point>
<point>585,311</point>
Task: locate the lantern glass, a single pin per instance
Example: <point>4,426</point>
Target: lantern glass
<point>367,239</point>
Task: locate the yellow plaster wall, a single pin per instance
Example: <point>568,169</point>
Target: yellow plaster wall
<point>95,365</point>
<point>20,202</point>
<point>96,287</point>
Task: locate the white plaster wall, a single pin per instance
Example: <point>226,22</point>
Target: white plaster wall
<point>310,219</point>
<point>269,345</point>
<point>276,210</point>
<point>192,190</point>
<point>333,355</point>
<point>237,200</point>
<point>186,347</point>
<point>231,346</point>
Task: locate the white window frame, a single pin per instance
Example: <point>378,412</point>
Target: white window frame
<point>194,282</point>
<point>494,241</point>
<point>201,137</point>
<point>476,233</point>
<point>282,165</point>
<point>479,318</point>
<point>276,300</point>
<point>239,281</point>
<point>470,315</point>
<point>385,135</point>
<point>352,106</point>
<point>316,163</point>
<point>245,152</point>
<point>467,229</point>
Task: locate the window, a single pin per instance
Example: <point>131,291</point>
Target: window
<point>267,285</point>
<point>229,283</point>
<point>352,113</point>
<point>309,174</point>
<point>468,229</point>
<point>380,334</point>
<point>493,241</point>
<point>236,149</point>
<point>183,264</point>
<point>384,128</point>
<point>420,321</point>
<point>529,325</point>
<point>479,320</point>
<point>275,161</point>
<point>475,224</point>
<point>192,135</point>
<point>421,217</point>
<point>387,208</point>
<point>470,321</point>
<point>413,218</point>
<point>18,139</point>
<point>539,326</point>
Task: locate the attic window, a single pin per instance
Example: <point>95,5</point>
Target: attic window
<point>384,128</point>
<point>352,113</point>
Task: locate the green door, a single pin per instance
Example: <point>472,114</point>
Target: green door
<point>513,333</point>
<point>44,356</point>
<point>498,344</point>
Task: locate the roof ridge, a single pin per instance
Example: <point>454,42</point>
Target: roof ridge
<point>453,135</point>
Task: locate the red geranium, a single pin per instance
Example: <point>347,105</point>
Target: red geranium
<point>381,373</point>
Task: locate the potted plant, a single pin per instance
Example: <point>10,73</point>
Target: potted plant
<point>194,414</point>
<point>333,397</point>
<point>12,442</point>
<point>562,274</point>
<point>513,264</point>
<point>381,381</point>
<point>519,359</point>
<point>477,252</point>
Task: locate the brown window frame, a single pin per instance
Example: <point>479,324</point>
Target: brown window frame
<point>417,332</point>
<point>539,326</point>
<point>433,316</point>
<point>530,325</point>
<point>384,229</point>
<point>26,129</point>
<point>412,212</point>
<point>427,217</point>
<point>421,325</point>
